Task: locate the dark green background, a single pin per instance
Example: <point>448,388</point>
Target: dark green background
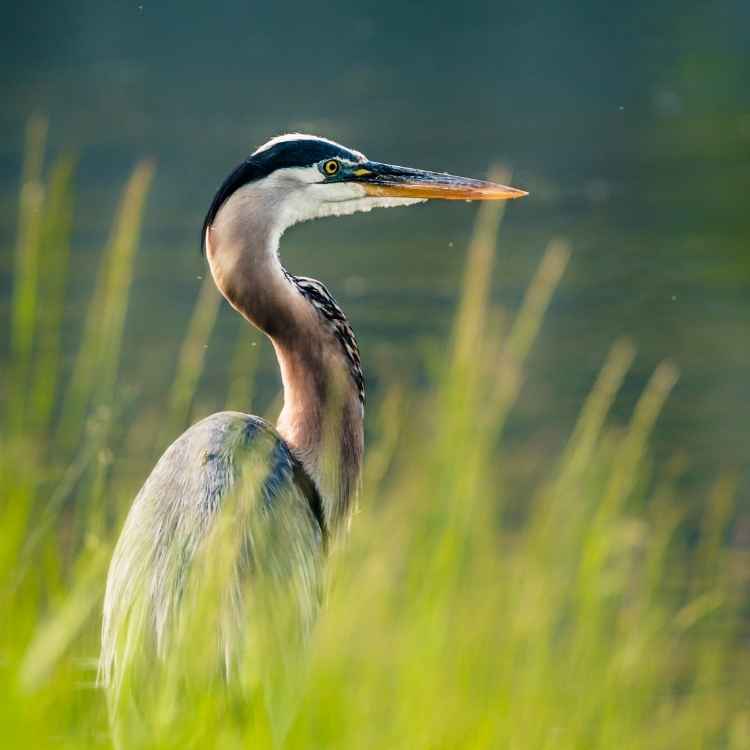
<point>629,123</point>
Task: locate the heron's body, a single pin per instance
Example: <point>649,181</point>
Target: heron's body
<point>233,522</point>
<point>175,510</point>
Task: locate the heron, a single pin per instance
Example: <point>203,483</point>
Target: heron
<point>287,489</point>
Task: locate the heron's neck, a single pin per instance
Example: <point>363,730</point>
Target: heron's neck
<point>322,418</point>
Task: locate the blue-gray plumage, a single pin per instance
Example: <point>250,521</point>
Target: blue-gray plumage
<point>226,459</point>
<point>231,528</point>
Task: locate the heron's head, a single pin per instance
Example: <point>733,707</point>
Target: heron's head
<point>297,177</point>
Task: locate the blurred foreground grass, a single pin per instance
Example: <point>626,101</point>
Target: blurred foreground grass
<point>597,614</point>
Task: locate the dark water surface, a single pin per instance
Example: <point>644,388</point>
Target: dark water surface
<point>629,124</point>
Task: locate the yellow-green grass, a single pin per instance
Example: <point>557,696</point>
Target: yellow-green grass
<point>585,618</point>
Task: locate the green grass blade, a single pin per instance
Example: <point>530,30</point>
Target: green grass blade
<point>95,368</point>
<point>25,297</point>
<point>190,362</point>
<point>55,244</point>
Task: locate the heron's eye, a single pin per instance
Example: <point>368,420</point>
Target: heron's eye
<point>331,167</point>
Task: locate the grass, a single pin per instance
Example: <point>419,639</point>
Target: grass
<point>597,613</point>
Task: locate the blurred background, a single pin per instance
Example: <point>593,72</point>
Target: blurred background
<point>629,125</point>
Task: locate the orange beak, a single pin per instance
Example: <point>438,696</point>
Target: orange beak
<point>404,182</point>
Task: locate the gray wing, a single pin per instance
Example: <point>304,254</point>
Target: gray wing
<point>224,541</point>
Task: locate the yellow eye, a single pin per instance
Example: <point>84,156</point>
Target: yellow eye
<point>331,167</point>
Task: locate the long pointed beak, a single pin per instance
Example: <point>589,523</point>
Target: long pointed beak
<point>405,182</point>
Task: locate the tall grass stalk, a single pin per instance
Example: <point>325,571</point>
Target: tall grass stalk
<point>95,370</point>
<point>24,307</point>
<point>55,249</point>
<point>190,361</point>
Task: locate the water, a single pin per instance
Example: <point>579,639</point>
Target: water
<point>629,125</point>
